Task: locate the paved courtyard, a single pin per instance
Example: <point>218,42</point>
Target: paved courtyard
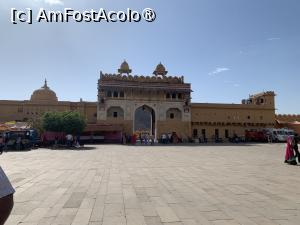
<point>167,185</point>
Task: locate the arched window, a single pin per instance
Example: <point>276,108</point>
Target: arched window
<point>174,114</point>
<point>115,112</point>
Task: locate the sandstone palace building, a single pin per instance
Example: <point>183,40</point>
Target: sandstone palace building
<point>157,104</point>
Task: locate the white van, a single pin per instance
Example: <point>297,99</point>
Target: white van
<point>280,135</point>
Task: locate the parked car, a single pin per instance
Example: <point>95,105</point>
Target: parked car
<point>280,135</point>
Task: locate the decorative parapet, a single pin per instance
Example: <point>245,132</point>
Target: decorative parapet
<point>269,93</point>
<point>288,117</point>
<point>136,78</point>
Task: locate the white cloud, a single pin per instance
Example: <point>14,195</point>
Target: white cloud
<point>273,39</point>
<point>54,2</point>
<point>218,70</point>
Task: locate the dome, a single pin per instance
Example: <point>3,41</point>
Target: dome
<point>124,68</point>
<point>160,70</point>
<point>44,94</point>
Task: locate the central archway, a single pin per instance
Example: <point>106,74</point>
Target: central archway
<point>144,120</point>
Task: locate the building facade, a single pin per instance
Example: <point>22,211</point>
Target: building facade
<point>156,104</point>
<point>41,101</point>
<point>288,121</point>
<point>147,104</point>
<point>227,120</point>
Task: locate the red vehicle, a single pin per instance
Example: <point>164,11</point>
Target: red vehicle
<point>256,136</point>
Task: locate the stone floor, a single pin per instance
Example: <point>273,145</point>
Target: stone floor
<point>167,185</point>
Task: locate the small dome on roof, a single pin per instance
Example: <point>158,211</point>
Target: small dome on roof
<point>44,94</point>
<point>160,70</point>
<point>124,68</point>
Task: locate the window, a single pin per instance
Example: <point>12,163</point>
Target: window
<point>261,100</point>
<point>116,94</point>
<point>115,112</point>
<point>108,94</point>
<point>173,96</point>
<point>179,96</point>
<point>122,94</point>
<point>172,116</point>
<point>102,100</point>
<point>168,95</point>
<point>249,117</point>
<point>226,133</point>
<point>195,133</point>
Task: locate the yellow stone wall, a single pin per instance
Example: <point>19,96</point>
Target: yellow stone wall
<point>231,113</point>
<point>27,110</point>
<point>182,129</point>
<point>127,125</point>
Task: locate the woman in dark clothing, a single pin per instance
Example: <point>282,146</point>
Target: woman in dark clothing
<point>289,152</point>
<point>295,147</point>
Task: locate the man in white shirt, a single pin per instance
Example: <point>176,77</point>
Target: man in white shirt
<point>6,197</point>
<point>69,138</point>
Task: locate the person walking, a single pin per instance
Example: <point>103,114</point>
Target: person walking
<point>6,197</point>
<point>69,138</point>
<point>295,147</point>
<point>289,153</point>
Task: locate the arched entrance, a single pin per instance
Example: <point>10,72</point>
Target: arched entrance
<point>144,120</point>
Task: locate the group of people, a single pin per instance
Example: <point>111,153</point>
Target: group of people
<point>68,141</point>
<point>73,141</point>
<point>138,138</point>
<point>292,151</point>
<point>170,138</point>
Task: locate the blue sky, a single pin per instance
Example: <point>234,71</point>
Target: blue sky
<point>227,49</point>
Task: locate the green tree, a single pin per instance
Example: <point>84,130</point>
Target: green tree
<point>69,122</point>
<point>52,121</point>
<point>73,122</point>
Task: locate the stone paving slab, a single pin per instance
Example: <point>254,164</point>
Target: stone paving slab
<point>161,185</point>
